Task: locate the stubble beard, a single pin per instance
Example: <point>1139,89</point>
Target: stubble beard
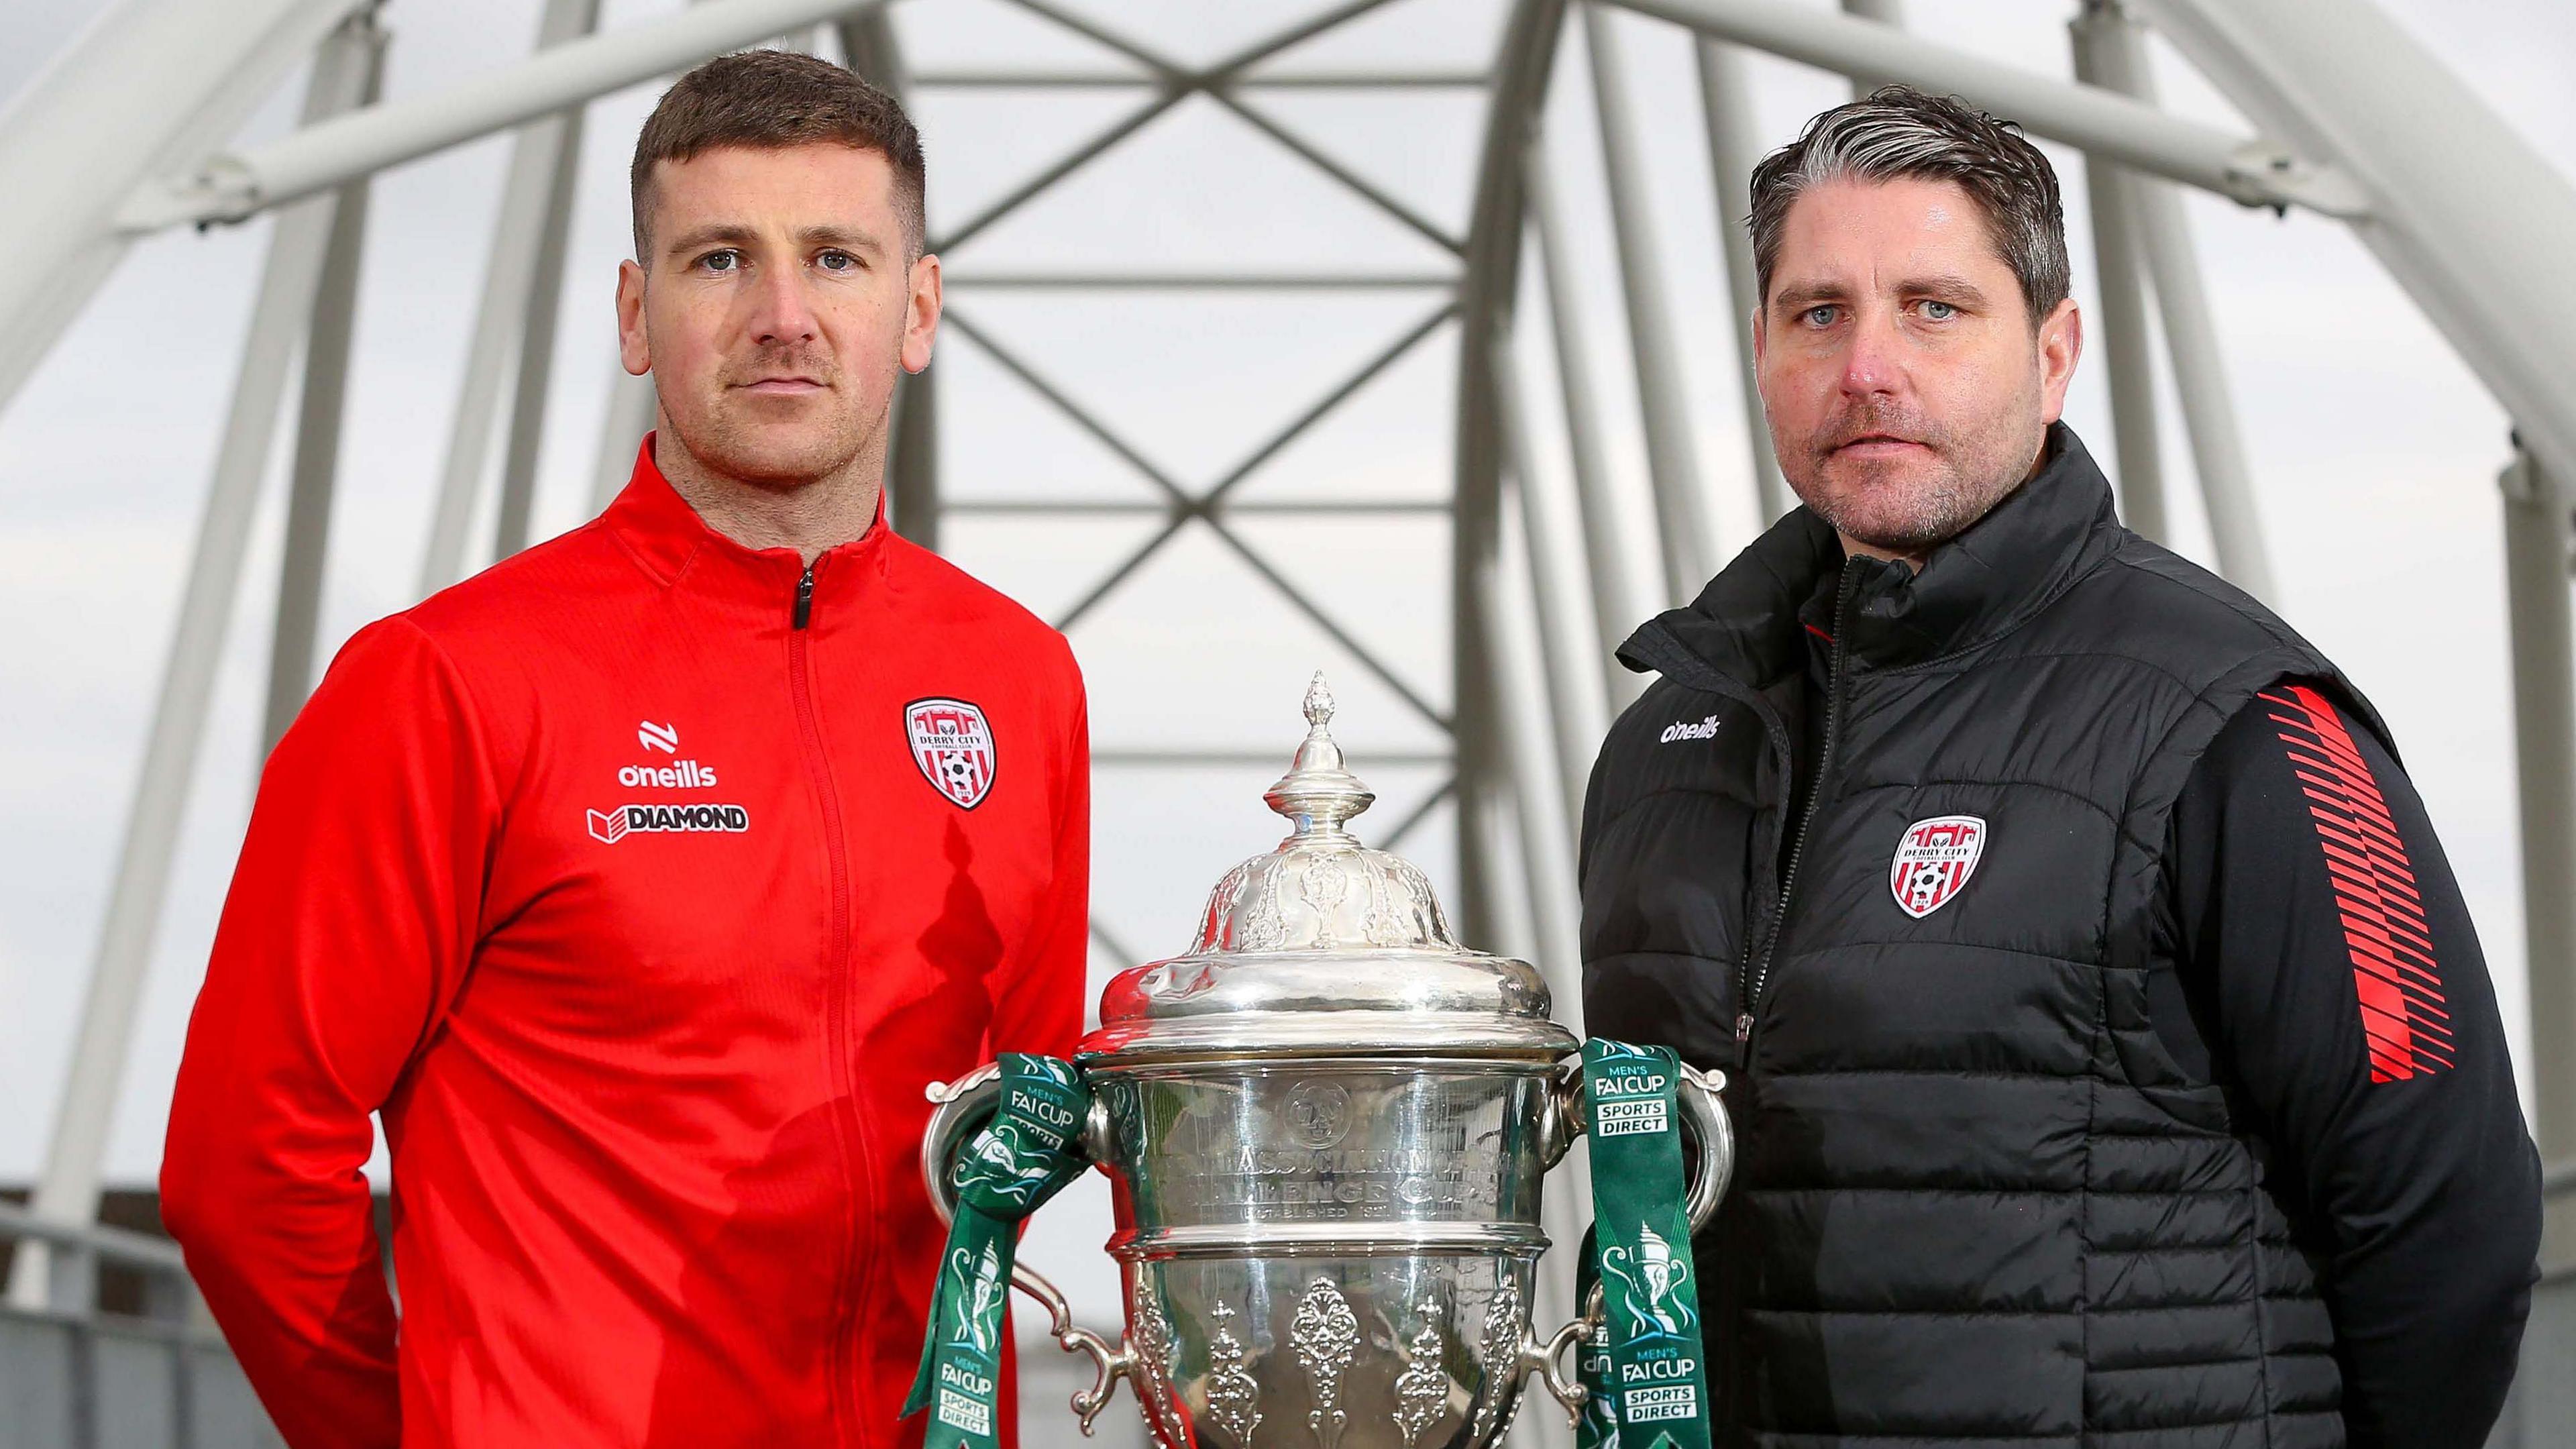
<point>729,436</point>
<point>1909,505</point>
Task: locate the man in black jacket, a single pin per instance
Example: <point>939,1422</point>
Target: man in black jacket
<point>2110,1050</point>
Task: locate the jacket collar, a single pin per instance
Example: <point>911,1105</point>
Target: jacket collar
<point>1997,573</point>
<point>671,542</point>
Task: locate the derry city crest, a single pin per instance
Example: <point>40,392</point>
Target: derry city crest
<point>953,745</point>
<point>1934,859</point>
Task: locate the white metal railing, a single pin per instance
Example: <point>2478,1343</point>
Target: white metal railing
<point>78,1250</point>
<point>75,1377</point>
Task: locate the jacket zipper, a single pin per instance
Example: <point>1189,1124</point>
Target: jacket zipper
<point>853,1158</point>
<point>1757,966</point>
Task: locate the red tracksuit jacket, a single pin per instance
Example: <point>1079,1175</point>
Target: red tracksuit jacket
<point>641,883</point>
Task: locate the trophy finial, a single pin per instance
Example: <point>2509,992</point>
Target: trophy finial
<point>1319,702</point>
<point>1317,792</point>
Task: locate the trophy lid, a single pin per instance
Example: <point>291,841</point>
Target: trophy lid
<point>1325,947</point>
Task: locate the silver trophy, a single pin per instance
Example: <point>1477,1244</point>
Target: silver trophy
<point>1326,1129</point>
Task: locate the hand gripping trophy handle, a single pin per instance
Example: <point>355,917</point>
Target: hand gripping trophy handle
<point>963,1107</point>
<point>1704,1126</point>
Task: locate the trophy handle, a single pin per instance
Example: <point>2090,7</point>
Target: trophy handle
<point>1704,1123</point>
<point>1546,1361</point>
<point>964,1106</point>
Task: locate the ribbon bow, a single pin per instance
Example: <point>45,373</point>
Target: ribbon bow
<point>1032,1148</point>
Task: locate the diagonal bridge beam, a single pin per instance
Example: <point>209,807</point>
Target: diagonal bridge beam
<point>1207,508</point>
<point>1218,84</point>
<point>2252,170</point>
<point>234,186</point>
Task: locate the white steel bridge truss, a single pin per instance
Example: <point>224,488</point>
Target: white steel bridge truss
<point>1543,581</point>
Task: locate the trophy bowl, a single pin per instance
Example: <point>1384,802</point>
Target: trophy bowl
<point>1326,1129</point>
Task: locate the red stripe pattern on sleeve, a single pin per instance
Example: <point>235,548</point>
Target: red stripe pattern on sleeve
<point>2393,970</point>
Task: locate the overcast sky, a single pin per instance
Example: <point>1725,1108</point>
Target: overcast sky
<point>2374,449</point>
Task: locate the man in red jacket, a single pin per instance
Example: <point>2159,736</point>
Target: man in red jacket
<point>642,881</point>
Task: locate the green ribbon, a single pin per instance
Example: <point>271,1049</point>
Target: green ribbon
<point>1644,1364</point>
<point>1032,1148</point>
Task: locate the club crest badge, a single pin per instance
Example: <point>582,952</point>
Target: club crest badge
<point>953,745</point>
<point>1934,859</point>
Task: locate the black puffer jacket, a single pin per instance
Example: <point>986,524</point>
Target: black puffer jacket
<point>1977,1202</point>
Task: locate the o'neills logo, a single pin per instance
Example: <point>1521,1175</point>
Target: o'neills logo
<point>613,825</point>
<point>1685,730</point>
<point>683,775</point>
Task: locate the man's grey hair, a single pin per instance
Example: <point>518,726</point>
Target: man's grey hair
<point>1899,133</point>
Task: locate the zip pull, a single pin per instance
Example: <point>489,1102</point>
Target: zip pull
<point>1743,1040</point>
<point>805,598</point>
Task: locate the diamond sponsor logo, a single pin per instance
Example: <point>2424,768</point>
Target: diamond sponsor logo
<point>1934,859</point>
<point>616,823</point>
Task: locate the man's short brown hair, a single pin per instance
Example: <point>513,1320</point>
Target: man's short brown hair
<point>1897,132</point>
<point>773,98</point>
